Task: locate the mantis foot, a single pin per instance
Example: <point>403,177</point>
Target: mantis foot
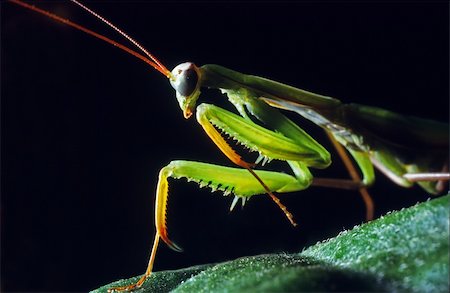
<point>132,287</point>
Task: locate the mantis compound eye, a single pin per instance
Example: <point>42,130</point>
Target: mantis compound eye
<point>185,78</point>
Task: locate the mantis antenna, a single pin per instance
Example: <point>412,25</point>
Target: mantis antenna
<point>125,35</point>
<point>152,61</point>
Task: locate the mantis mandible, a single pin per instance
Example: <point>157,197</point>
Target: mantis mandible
<point>355,127</point>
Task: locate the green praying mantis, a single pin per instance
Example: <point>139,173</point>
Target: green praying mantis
<point>399,146</point>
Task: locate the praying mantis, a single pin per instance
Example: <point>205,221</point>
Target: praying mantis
<point>314,155</point>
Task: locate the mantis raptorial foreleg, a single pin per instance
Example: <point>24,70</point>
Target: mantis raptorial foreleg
<point>269,144</point>
<point>229,180</point>
<point>286,142</point>
<point>297,148</point>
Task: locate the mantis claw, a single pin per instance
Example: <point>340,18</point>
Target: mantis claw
<point>172,245</point>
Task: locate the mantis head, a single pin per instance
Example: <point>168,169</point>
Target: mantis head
<point>185,79</point>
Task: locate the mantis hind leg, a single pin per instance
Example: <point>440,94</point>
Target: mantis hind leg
<point>441,179</point>
<point>406,176</point>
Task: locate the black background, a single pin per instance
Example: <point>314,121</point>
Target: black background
<point>86,128</point>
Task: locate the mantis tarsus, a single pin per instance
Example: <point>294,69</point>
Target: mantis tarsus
<point>215,81</point>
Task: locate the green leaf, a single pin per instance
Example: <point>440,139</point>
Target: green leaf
<point>406,250</point>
